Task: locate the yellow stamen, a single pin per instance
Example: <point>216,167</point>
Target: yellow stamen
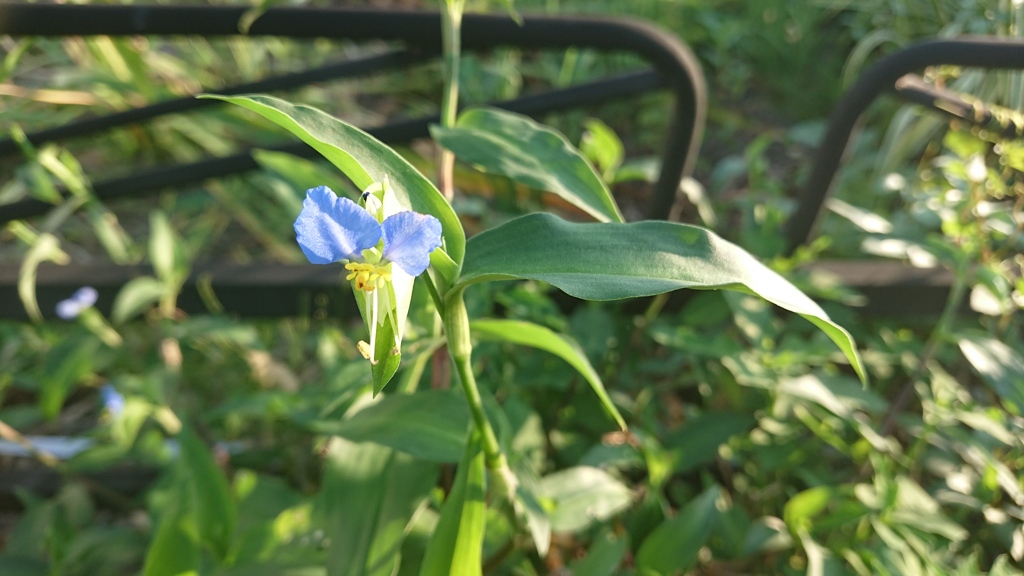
<point>368,277</point>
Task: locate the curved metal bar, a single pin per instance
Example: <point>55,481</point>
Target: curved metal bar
<point>1009,123</point>
<point>976,52</point>
<point>400,131</point>
<point>672,59</point>
<point>349,68</point>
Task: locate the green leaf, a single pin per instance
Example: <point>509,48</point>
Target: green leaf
<point>301,174</point>
<point>136,295</point>
<point>174,551</point>
<point>362,158</point>
<point>602,146</point>
<point>389,361</point>
<point>801,509</point>
<point>15,564</point>
<point>352,473</point>
<point>430,424</point>
<point>67,364</point>
<point>577,497</point>
<point>404,489</point>
<point>108,230</point>
<point>516,147</point>
<point>529,508</point>
<point>456,547</point>
<point>563,346</point>
<point>274,569</point>
<point>673,546</point>
<point>696,443</point>
<point>166,251</point>
<point>837,394</point>
<point>371,496</point>
<point>46,248</point>
<point>214,506</point>
<point>1000,367</point>
<point>613,261</point>
<point>604,556</point>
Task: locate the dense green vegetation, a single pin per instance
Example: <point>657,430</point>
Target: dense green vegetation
<point>752,446</point>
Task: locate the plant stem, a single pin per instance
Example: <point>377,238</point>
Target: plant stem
<point>456,327</point>
<point>434,294</point>
<point>451,45</point>
<point>440,374</point>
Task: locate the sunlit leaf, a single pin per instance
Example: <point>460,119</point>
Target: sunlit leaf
<point>371,494</point>
<point>215,507</point>
<point>577,497</point>
<point>1000,367</point>
<point>430,424</point>
<point>602,146</point>
<point>166,251</point>
<point>456,547</point>
<point>135,296</point>
<point>536,336</point>
<point>351,495</point>
<point>611,261</point>
<point>362,158</point>
<point>516,147</point>
<point>673,546</point>
<point>173,550</point>
<point>45,249</point>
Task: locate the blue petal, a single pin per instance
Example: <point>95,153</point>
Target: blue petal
<point>330,228</point>
<point>112,399</point>
<point>68,309</point>
<point>86,296</point>
<point>83,298</point>
<point>408,240</point>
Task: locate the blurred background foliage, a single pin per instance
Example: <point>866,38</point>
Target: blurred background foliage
<point>752,449</point>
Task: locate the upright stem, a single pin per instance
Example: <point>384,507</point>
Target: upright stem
<point>456,327</point>
<point>451,44</point>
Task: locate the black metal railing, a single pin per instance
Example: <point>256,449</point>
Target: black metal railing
<point>276,290</point>
<point>895,74</point>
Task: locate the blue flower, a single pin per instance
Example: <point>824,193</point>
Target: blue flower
<point>83,298</point>
<point>382,248</point>
<point>331,229</point>
<point>113,401</point>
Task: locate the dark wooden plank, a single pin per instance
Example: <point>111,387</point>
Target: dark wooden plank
<point>277,290</point>
<point>250,290</point>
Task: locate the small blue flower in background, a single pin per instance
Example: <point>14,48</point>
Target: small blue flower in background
<point>113,401</point>
<point>83,298</point>
<point>331,229</point>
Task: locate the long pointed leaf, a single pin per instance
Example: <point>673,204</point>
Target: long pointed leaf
<point>429,424</point>
<point>456,547</point>
<point>352,476</point>
<point>536,336</point>
<point>215,508</point>
<point>673,546</point>
<point>530,153</point>
<point>173,552</point>
<point>612,261</point>
<point>362,158</point>
<point>405,487</point>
